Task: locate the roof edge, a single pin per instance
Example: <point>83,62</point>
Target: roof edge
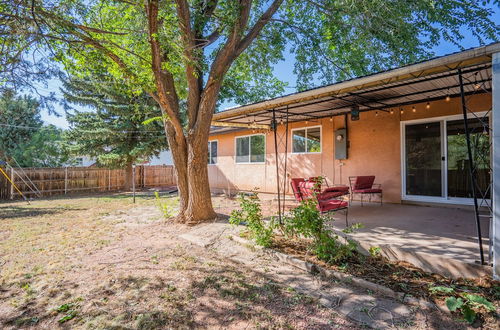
<point>464,58</point>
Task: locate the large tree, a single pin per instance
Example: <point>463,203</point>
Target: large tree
<point>118,132</point>
<point>193,52</point>
<point>24,140</point>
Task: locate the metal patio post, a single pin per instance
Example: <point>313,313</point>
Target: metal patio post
<point>495,137</point>
<point>274,127</point>
<point>471,167</point>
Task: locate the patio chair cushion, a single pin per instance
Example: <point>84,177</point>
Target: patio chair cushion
<point>308,189</point>
<point>331,205</point>
<point>367,191</point>
<point>329,195</point>
<point>296,188</point>
<point>364,182</point>
<point>343,189</point>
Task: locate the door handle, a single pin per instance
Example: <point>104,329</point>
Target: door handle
<point>443,158</point>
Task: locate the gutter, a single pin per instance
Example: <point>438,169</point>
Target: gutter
<point>437,65</point>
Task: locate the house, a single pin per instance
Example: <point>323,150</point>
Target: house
<point>405,126</point>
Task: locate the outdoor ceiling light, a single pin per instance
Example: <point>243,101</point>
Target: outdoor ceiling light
<point>340,137</point>
<point>355,112</point>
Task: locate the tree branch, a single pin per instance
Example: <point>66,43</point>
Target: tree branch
<point>193,74</point>
<point>164,80</point>
<point>259,25</point>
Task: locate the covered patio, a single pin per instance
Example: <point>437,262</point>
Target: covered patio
<point>435,238</point>
<point>425,131</point>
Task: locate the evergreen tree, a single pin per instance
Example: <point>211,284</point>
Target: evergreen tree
<point>24,140</point>
<point>115,132</point>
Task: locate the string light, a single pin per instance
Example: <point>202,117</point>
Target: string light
<point>476,85</point>
<point>392,111</point>
<point>307,122</point>
<point>428,105</point>
<point>331,119</point>
<point>447,98</point>
<point>376,113</point>
<point>401,110</point>
<point>413,109</point>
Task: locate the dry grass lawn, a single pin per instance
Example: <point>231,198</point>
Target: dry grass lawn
<point>101,262</point>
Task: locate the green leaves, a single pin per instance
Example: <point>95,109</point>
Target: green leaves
<point>469,306</point>
<point>251,215</point>
<point>454,303</point>
<point>114,132</point>
<point>441,290</point>
<point>479,301</point>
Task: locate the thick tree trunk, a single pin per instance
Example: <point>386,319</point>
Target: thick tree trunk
<point>128,176</point>
<point>199,207</point>
<point>190,160</point>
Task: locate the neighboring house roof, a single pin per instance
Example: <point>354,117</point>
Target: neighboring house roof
<point>427,80</point>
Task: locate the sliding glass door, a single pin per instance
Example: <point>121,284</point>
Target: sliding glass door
<point>458,157</point>
<point>423,159</point>
<point>436,163</point>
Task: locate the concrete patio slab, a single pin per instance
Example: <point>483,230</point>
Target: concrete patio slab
<point>436,239</point>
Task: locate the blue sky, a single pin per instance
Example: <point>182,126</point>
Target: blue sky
<point>283,71</point>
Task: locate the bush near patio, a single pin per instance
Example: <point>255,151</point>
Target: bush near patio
<point>304,233</point>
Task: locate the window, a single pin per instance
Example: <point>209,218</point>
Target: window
<point>251,149</point>
<point>79,161</point>
<point>212,152</point>
<point>306,140</point>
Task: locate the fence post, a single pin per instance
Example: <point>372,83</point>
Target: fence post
<point>133,180</point>
<point>66,180</point>
<point>12,184</point>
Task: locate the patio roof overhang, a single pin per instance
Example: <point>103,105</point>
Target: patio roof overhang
<point>425,81</point>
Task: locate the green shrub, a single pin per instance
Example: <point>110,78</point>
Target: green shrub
<point>165,208</point>
<point>251,215</point>
<point>469,305</point>
<point>307,221</point>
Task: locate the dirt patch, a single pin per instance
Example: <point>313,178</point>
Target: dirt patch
<point>102,262</point>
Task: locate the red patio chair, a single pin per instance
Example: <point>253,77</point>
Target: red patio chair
<point>327,201</point>
<point>363,185</point>
<point>339,188</point>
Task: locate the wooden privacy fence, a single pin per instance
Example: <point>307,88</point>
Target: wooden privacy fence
<point>67,180</point>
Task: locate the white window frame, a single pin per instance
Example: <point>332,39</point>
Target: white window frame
<point>249,148</point>
<point>210,152</point>
<point>306,128</point>
<point>444,198</point>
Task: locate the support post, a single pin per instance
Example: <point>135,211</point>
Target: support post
<point>274,126</point>
<point>12,183</point>
<point>65,180</point>
<point>495,156</point>
<point>133,181</point>
<point>472,175</point>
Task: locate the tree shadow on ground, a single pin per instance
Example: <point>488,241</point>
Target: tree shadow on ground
<point>18,211</point>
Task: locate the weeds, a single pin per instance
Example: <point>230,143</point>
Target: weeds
<point>251,215</point>
<point>166,209</point>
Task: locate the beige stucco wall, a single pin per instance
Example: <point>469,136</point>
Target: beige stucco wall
<point>375,149</point>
